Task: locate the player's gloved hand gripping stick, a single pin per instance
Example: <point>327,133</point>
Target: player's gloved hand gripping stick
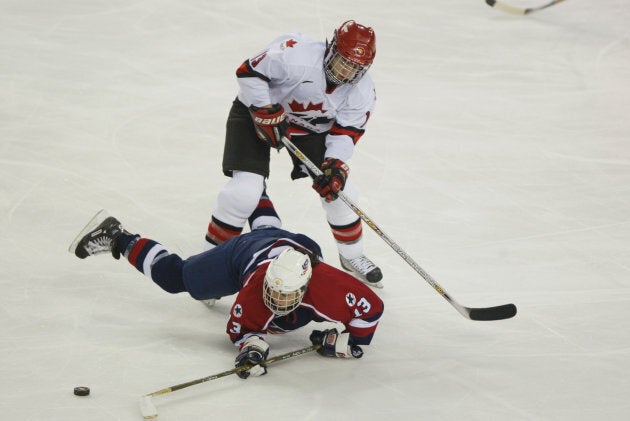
<point>504,311</point>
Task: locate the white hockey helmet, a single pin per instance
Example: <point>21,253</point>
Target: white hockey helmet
<point>286,280</point>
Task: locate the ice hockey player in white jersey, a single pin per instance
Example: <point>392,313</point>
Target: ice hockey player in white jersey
<point>318,94</point>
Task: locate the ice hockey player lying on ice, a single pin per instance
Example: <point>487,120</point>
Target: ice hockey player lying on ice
<point>281,282</point>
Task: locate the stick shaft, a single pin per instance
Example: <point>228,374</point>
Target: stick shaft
<point>316,171</point>
<point>272,360</point>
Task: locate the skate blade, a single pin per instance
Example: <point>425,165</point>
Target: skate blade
<point>209,303</point>
<point>378,285</point>
<point>94,222</point>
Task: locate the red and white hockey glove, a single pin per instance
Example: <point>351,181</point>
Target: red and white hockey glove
<point>333,179</point>
<point>270,124</point>
<point>253,351</point>
<point>335,344</point>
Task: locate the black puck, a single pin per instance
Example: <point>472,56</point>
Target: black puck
<point>81,390</point>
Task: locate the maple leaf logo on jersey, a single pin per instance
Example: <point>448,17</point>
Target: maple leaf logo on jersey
<point>312,113</point>
<point>300,108</point>
<point>287,44</point>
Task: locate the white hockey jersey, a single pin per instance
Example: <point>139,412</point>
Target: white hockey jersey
<point>290,71</point>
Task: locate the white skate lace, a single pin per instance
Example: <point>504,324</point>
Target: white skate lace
<point>362,264</point>
<point>98,245</point>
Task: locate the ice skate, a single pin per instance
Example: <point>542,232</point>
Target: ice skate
<point>97,237</point>
<point>209,303</point>
<point>364,269</point>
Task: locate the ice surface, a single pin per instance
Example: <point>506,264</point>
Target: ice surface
<point>498,158</point>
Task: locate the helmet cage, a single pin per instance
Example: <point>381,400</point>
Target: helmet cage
<point>339,70</point>
<point>282,303</point>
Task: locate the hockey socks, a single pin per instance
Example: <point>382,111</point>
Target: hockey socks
<point>347,234</point>
<point>265,214</point>
<point>219,231</point>
<point>152,259</point>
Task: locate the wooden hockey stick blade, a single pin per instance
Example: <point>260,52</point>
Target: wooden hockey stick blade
<point>519,10</point>
<point>505,311</point>
<point>506,7</point>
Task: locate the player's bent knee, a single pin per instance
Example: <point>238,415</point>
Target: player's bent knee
<point>239,198</point>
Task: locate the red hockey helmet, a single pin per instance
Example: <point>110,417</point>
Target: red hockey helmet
<point>350,54</point>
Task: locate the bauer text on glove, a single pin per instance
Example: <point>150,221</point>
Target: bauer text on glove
<point>270,123</point>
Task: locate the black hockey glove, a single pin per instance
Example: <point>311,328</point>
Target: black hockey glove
<point>335,344</point>
<point>333,179</point>
<point>270,124</point>
<point>253,351</point>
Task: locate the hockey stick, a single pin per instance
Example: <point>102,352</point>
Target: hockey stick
<point>484,313</point>
<point>149,411</point>
<point>519,10</point>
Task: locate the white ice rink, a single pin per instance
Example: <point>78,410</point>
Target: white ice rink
<point>498,158</point>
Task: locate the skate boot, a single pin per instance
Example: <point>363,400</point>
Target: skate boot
<point>364,269</point>
<point>98,237</point>
<point>210,302</point>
